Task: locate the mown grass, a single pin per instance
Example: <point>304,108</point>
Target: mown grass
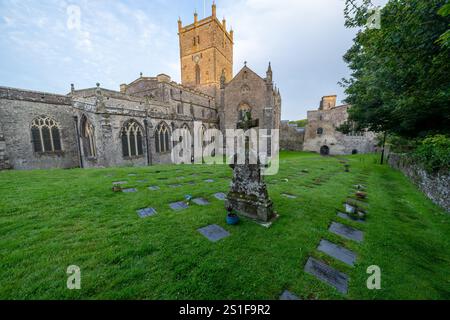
<point>55,218</point>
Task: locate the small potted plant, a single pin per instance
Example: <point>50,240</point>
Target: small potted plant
<point>188,199</point>
<point>116,188</point>
<point>232,218</point>
<point>361,195</point>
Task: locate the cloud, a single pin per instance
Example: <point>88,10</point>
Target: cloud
<point>115,40</point>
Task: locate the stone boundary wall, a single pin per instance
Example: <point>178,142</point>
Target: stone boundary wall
<point>435,186</point>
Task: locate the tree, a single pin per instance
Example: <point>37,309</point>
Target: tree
<point>445,38</point>
<point>399,79</point>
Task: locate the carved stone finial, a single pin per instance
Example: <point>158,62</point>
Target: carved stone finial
<point>72,87</point>
<point>98,85</point>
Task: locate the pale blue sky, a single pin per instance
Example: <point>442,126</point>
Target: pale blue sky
<point>116,40</point>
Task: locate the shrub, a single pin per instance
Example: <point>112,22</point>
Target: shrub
<point>433,153</point>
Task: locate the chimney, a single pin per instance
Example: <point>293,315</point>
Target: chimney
<point>123,88</point>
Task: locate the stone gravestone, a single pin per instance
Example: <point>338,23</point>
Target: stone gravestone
<point>248,194</point>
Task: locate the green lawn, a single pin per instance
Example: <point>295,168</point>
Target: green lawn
<point>55,218</point>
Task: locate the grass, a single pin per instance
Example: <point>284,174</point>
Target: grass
<point>55,218</point>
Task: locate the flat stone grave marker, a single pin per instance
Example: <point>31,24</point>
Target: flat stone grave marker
<point>153,188</point>
<point>177,206</point>
<point>175,185</point>
<point>349,208</point>
<point>132,174</point>
<point>142,181</point>
<point>290,196</point>
<point>191,183</point>
<point>209,180</point>
<point>214,232</point>
<point>220,196</point>
<point>346,232</point>
<point>286,295</point>
<point>349,217</point>
<point>327,274</point>
<point>357,202</point>
<point>146,212</point>
<point>129,190</point>
<point>337,252</point>
<point>120,182</point>
<point>201,201</point>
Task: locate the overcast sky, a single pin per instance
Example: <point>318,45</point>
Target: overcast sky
<point>42,48</point>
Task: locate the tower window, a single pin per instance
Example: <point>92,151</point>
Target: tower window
<point>319,130</point>
<point>197,74</point>
<point>180,108</point>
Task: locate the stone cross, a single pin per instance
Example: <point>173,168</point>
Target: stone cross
<point>248,195</point>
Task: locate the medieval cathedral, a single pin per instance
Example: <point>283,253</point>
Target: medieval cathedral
<point>96,127</point>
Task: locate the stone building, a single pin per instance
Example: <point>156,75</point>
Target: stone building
<point>322,137</point>
<point>97,127</point>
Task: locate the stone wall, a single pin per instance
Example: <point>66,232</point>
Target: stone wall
<point>107,111</point>
<point>18,108</point>
<point>435,186</point>
<point>4,160</point>
<point>291,139</point>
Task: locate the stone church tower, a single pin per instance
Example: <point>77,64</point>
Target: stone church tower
<point>206,51</point>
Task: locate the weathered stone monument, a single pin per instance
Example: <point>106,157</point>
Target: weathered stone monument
<point>248,194</point>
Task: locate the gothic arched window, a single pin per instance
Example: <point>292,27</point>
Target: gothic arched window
<point>132,139</point>
<point>243,109</point>
<point>186,137</point>
<point>197,74</point>
<point>45,135</point>
<point>202,135</point>
<point>162,138</point>
<point>87,137</point>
